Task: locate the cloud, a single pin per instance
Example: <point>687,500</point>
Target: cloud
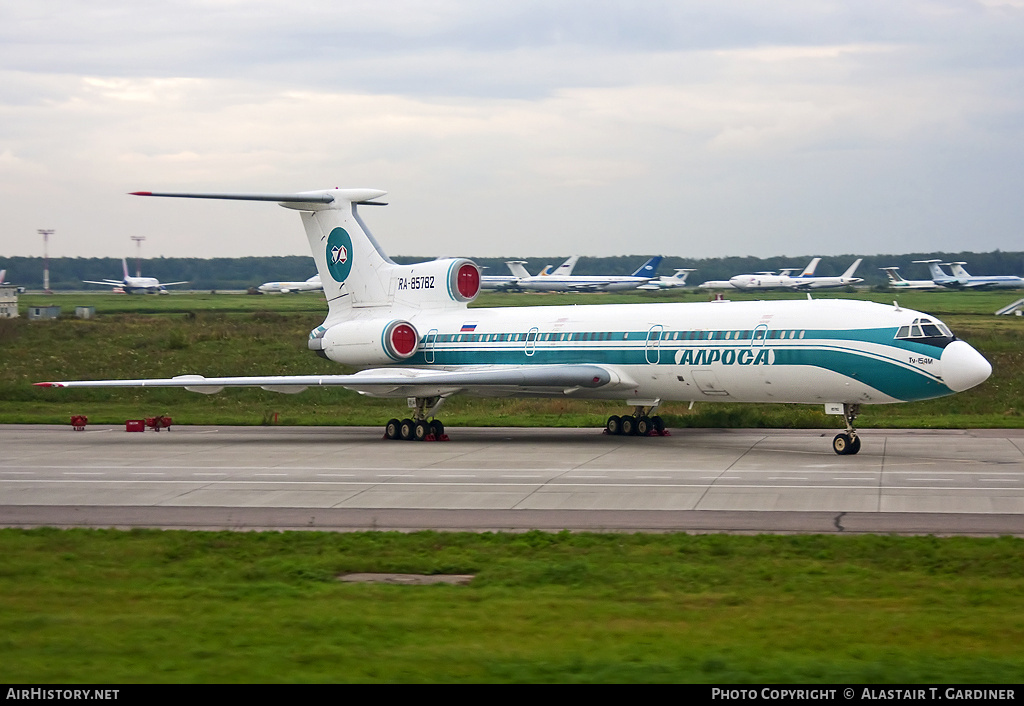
<point>683,128</point>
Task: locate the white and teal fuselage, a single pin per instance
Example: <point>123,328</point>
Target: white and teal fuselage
<point>784,351</point>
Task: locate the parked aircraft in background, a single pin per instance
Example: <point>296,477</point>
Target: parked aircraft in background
<point>310,285</point>
<point>896,280</point>
<point>507,283</point>
<point>803,281</point>
<point>968,281</point>
<point>590,283</point>
<point>412,325</point>
<point>131,285</point>
<point>668,282</point>
<point>770,280</point>
<point>844,280</point>
<point>728,283</point>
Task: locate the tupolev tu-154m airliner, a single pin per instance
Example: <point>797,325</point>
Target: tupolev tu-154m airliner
<point>410,327</point>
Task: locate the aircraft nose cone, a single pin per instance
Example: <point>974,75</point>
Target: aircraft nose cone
<point>963,367</point>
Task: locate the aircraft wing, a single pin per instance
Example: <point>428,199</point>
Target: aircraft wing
<point>398,382</point>
<point>105,283</point>
<point>171,284</point>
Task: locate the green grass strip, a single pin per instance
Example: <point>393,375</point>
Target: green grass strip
<point>87,606</point>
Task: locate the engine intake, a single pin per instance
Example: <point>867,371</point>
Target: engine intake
<point>371,342</point>
<point>435,284</point>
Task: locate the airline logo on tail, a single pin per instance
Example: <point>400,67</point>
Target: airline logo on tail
<point>339,249</point>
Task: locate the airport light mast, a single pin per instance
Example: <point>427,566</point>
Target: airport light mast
<point>138,253</point>
<point>46,233</point>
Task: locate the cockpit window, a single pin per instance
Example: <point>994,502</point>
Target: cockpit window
<point>934,328</point>
<point>925,329</point>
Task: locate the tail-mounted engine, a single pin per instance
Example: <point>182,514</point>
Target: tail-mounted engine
<point>370,342</point>
<point>435,283</point>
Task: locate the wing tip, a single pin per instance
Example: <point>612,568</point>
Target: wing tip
<point>47,384</point>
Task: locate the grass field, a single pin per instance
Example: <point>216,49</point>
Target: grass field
<point>225,334</point>
<point>164,606</point>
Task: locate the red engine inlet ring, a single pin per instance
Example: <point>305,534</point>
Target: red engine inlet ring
<point>401,340</point>
<point>465,281</point>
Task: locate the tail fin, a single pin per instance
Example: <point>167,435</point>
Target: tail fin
<point>3,273</point>
<point>934,269</point>
<point>124,267</point>
<point>517,269</point>
<point>958,270</point>
<point>681,275</point>
<point>853,268</point>
<point>355,272</point>
<point>566,268</point>
<point>649,268</point>
<point>894,274</point>
<point>811,267</point>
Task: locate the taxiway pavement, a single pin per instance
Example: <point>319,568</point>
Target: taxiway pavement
<point>349,478</point>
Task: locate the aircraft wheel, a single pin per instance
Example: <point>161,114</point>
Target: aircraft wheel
<point>854,446</point>
<point>643,426</point>
<point>437,429</point>
<point>393,430</point>
<point>614,425</point>
<point>420,430</point>
<point>843,444</point>
<point>628,426</point>
<point>658,423</point>
<point>407,429</point>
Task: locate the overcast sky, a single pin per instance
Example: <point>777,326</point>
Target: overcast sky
<point>700,129</point>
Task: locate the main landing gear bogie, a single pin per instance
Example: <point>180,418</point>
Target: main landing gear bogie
<point>415,430</point>
<point>418,428</point>
<point>640,423</point>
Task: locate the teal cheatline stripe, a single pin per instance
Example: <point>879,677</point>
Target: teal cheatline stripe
<point>886,377</point>
<point>517,356</point>
<point>883,336</point>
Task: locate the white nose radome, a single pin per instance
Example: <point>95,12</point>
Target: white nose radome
<point>963,367</point>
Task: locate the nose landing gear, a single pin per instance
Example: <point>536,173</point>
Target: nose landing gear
<point>848,443</point>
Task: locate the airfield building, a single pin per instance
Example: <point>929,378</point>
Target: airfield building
<point>8,301</point>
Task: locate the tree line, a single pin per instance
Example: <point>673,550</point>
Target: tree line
<point>67,273</point>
